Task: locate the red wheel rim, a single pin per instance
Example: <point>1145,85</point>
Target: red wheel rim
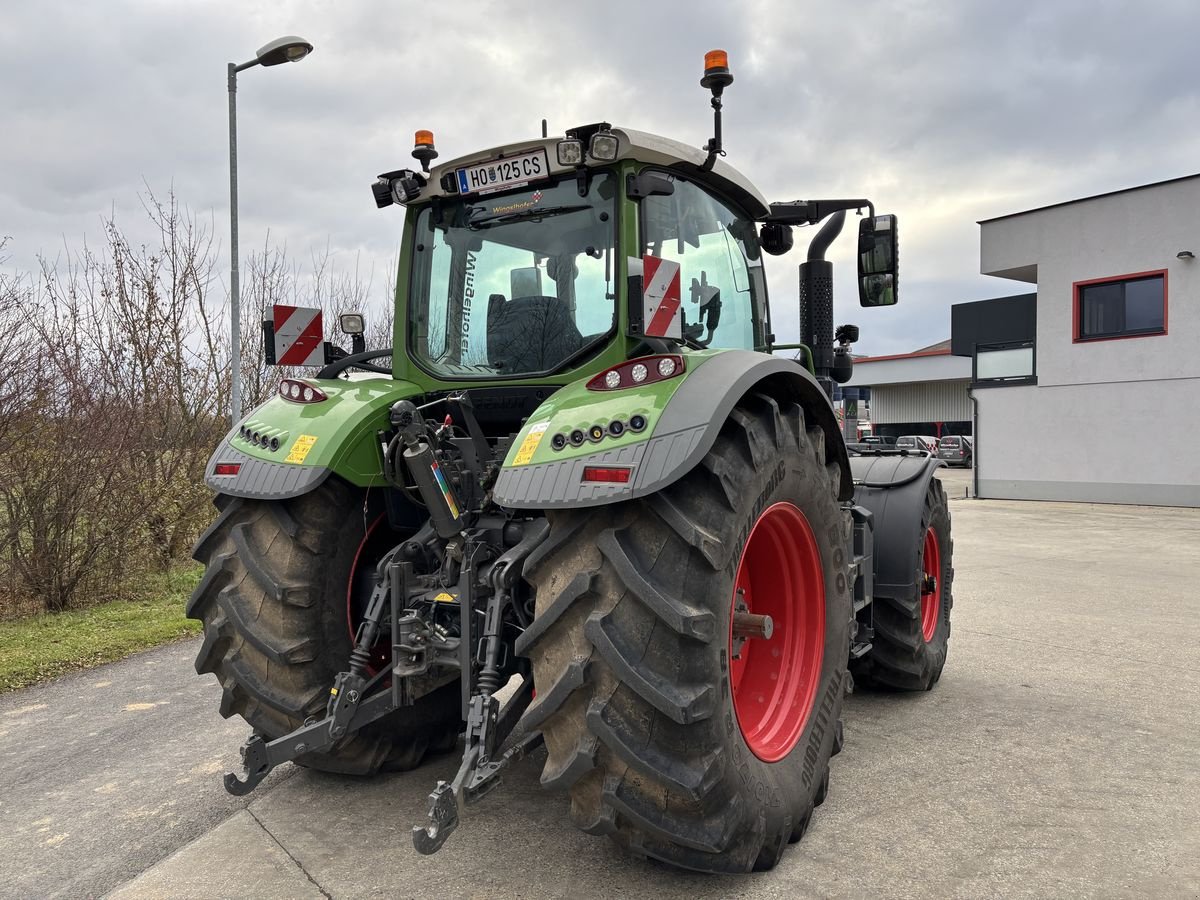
<point>774,680</point>
<point>931,585</point>
<point>358,589</point>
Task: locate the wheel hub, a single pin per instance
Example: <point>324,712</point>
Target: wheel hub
<point>931,588</point>
<point>777,631</point>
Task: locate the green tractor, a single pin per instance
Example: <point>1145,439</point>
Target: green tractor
<point>580,503</point>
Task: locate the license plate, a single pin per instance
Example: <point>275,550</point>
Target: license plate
<point>501,174</point>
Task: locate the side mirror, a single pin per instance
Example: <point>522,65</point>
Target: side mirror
<point>877,261</point>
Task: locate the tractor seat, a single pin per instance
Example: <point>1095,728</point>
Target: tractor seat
<point>529,334</point>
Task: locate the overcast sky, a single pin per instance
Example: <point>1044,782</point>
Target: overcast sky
<point>941,112</point>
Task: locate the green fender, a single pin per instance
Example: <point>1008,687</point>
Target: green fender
<point>313,440</point>
<point>684,416</point>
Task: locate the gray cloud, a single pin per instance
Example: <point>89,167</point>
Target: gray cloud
<point>942,112</point>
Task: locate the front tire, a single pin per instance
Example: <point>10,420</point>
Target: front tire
<point>273,600</point>
<point>649,722</point>
<point>912,634</point>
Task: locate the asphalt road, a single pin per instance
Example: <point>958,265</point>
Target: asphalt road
<point>1058,756</point>
<point>105,772</point>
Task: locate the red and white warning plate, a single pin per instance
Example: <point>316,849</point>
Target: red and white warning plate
<point>660,295</point>
<point>299,336</point>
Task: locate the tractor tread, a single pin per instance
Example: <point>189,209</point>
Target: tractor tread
<point>579,586</point>
<point>680,616</point>
<point>692,778</point>
<point>275,649</point>
<point>631,671</point>
<point>900,659</point>
<point>287,653</point>
<point>549,701</point>
<point>682,704</point>
<point>573,765</point>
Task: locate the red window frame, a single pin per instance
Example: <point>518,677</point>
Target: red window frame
<point>1115,279</point>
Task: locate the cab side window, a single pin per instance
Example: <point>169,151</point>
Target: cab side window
<point>720,264</point>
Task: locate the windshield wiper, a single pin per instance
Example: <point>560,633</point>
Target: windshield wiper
<point>526,215</point>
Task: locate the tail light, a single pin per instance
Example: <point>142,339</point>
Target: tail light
<point>227,468</point>
<point>300,392</point>
<point>636,372</point>
<point>607,474</point>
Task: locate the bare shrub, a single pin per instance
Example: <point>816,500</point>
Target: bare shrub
<point>115,390</point>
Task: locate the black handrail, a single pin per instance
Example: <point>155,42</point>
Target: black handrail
<point>357,361</point>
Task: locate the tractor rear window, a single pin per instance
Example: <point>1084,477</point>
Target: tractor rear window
<point>515,284</point>
<point>720,265</point>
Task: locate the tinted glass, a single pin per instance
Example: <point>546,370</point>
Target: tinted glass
<point>513,284</point>
<point>1117,308</point>
<point>718,254</point>
<point>1144,305</point>
<point>951,442</point>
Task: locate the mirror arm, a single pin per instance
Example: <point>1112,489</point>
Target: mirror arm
<point>810,212</point>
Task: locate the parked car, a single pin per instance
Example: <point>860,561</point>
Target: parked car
<point>917,442</point>
<point>956,450</point>
<point>878,440</point>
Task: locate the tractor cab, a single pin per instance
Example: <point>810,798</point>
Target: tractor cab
<point>517,261</point>
<point>528,261</point>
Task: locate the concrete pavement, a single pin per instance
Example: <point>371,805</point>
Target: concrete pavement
<point>1058,756</point>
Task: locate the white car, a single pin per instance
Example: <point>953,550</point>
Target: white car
<point>917,442</point>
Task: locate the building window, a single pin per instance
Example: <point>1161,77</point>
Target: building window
<point>1129,306</point>
<point>1010,363</point>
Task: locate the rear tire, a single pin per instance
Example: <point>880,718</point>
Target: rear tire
<point>912,634</point>
<point>273,600</point>
<point>631,653</point>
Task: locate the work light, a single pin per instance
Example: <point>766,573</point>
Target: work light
<point>570,152</point>
<point>603,147</point>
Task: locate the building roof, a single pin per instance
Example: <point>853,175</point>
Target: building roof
<point>919,367</point>
<point>940,345</point>
<point>941,348</point>
<point>1140,187</point>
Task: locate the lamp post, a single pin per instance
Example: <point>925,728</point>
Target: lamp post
<point>281,50</point>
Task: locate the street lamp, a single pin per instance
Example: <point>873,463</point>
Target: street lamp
<point>281,50</point>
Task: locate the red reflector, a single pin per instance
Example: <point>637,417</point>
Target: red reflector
<point>612,475</point>
<point>227,468</point>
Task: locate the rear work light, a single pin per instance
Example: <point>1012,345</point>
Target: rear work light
<point>607,474</point>
<point>299,392</point>
<point>227,468</point>
<point>639,371</point>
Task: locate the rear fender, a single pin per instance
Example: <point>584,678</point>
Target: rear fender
<point>314,440</point>
<point>892,489</point>
<point>687,415</point>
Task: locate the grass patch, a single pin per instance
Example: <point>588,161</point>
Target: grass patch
<point>35,648</point>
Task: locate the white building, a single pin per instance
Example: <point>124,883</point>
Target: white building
<point>1097,398</point>
<point>924,392</point>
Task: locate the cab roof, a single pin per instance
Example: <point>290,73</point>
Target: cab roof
<point>642,146</point>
